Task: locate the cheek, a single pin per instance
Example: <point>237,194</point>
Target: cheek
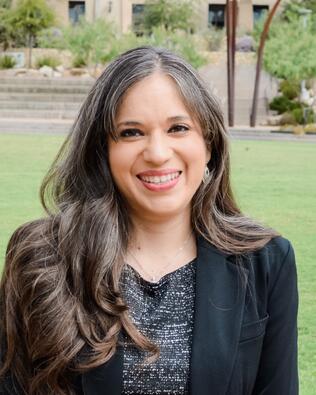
<point>117,165</point>
<point>121,161</point>
<point>197,154</point>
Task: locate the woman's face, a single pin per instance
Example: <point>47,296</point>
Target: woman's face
<point>159,159</point>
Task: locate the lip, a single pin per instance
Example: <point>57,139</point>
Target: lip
<point>158,173</point>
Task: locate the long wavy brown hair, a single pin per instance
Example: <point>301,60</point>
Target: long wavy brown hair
<point>60,301</point>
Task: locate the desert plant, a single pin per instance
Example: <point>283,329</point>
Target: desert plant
<point>50,38</point>
<point>89,42</point>
<point>50,61</point>
<point>183,43</point>
<point>214,38</point>
<point>7,62</point>
<point>78,62</point>
<point>288,119</point>
<point>310,128</point>
<point>302,116</point>
<point>290,89</point>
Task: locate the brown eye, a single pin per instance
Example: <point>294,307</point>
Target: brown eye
<point>130,133</point>
<point>178,128</point>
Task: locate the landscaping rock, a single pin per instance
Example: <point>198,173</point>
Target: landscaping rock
<point>274,120</point>
<point>47,71</point>
<point>78,72</point>
<point>245,44</point>
<point>20,72</point>
<point>60,69</point>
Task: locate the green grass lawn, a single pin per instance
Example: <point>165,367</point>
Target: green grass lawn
<point>273,181</point>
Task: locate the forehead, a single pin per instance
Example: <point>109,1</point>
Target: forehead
<point>157,93</point>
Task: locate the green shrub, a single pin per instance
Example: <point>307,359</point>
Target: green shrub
<point>79,61</point>
<point>89,42</point>
<point>214,38</point>
<point>298,114</point>
<point>288,119</point>
<point>7,62</point>
<point>290,89</point>
<point>281,104</point>
<point>50,61</point>
<point>310,128</point>
<point>185,44</point>
<point>50,38</point>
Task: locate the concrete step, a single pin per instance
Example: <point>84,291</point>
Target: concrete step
<point>48,97</point>
<point>28,88</point>
<point>42,114</point>
<point>34,126</point>
<point>44,105</point>
<point>45,81</point>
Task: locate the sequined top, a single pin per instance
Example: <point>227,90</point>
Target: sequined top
<point>163,311</point>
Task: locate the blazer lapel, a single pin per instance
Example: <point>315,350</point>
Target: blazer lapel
<point>219,304</point>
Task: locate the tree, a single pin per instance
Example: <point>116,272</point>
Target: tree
<point>5,3</point>
<point>30,17</point>
<point>290,50</point>
<point>170,14</point>
<point>5,27</point>
<point>294,5</point>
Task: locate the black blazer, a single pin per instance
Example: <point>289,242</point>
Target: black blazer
<point>245,327</point>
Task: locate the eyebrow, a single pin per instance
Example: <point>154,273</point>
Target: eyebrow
<point>176,118</point>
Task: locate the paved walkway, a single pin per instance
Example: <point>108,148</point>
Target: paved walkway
<point>268,134</point>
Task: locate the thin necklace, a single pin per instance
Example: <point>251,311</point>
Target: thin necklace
<point>155,277</point>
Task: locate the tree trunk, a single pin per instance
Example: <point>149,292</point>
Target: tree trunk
<point>231,22</point>
<point>30,45</point>
<point>264,34</point>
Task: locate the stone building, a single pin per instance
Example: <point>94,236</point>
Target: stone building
<point>125,13</point>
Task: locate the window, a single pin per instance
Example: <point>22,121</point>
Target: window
<point>76,9</point>
<point>137,18</point>
<point>259,11</point>
<point>216,15</point>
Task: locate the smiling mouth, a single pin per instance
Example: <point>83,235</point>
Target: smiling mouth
<point>158,180</point>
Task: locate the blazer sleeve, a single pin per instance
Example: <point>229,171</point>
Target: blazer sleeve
<point>278,373</point>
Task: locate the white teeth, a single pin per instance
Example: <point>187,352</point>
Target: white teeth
<point>160,180</point>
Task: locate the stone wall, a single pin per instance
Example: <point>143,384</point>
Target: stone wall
<point>65,57</point>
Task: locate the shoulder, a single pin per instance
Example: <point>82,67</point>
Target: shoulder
<point>276,253</point>
<point>272,265</point>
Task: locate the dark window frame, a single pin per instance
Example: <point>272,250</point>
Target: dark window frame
<point>219,15</point>
<point>258,10</point>
<point>137,18</point>
<point>76,9</point>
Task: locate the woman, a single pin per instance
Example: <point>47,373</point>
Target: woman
<point>145,277</point>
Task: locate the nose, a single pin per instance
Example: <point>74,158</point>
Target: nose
<point>157,149</point>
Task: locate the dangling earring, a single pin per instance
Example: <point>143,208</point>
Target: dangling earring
<point>206,175</point>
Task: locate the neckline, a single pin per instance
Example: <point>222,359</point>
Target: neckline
<point>162,279</point>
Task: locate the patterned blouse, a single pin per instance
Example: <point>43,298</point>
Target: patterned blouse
<point>163,311</point>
